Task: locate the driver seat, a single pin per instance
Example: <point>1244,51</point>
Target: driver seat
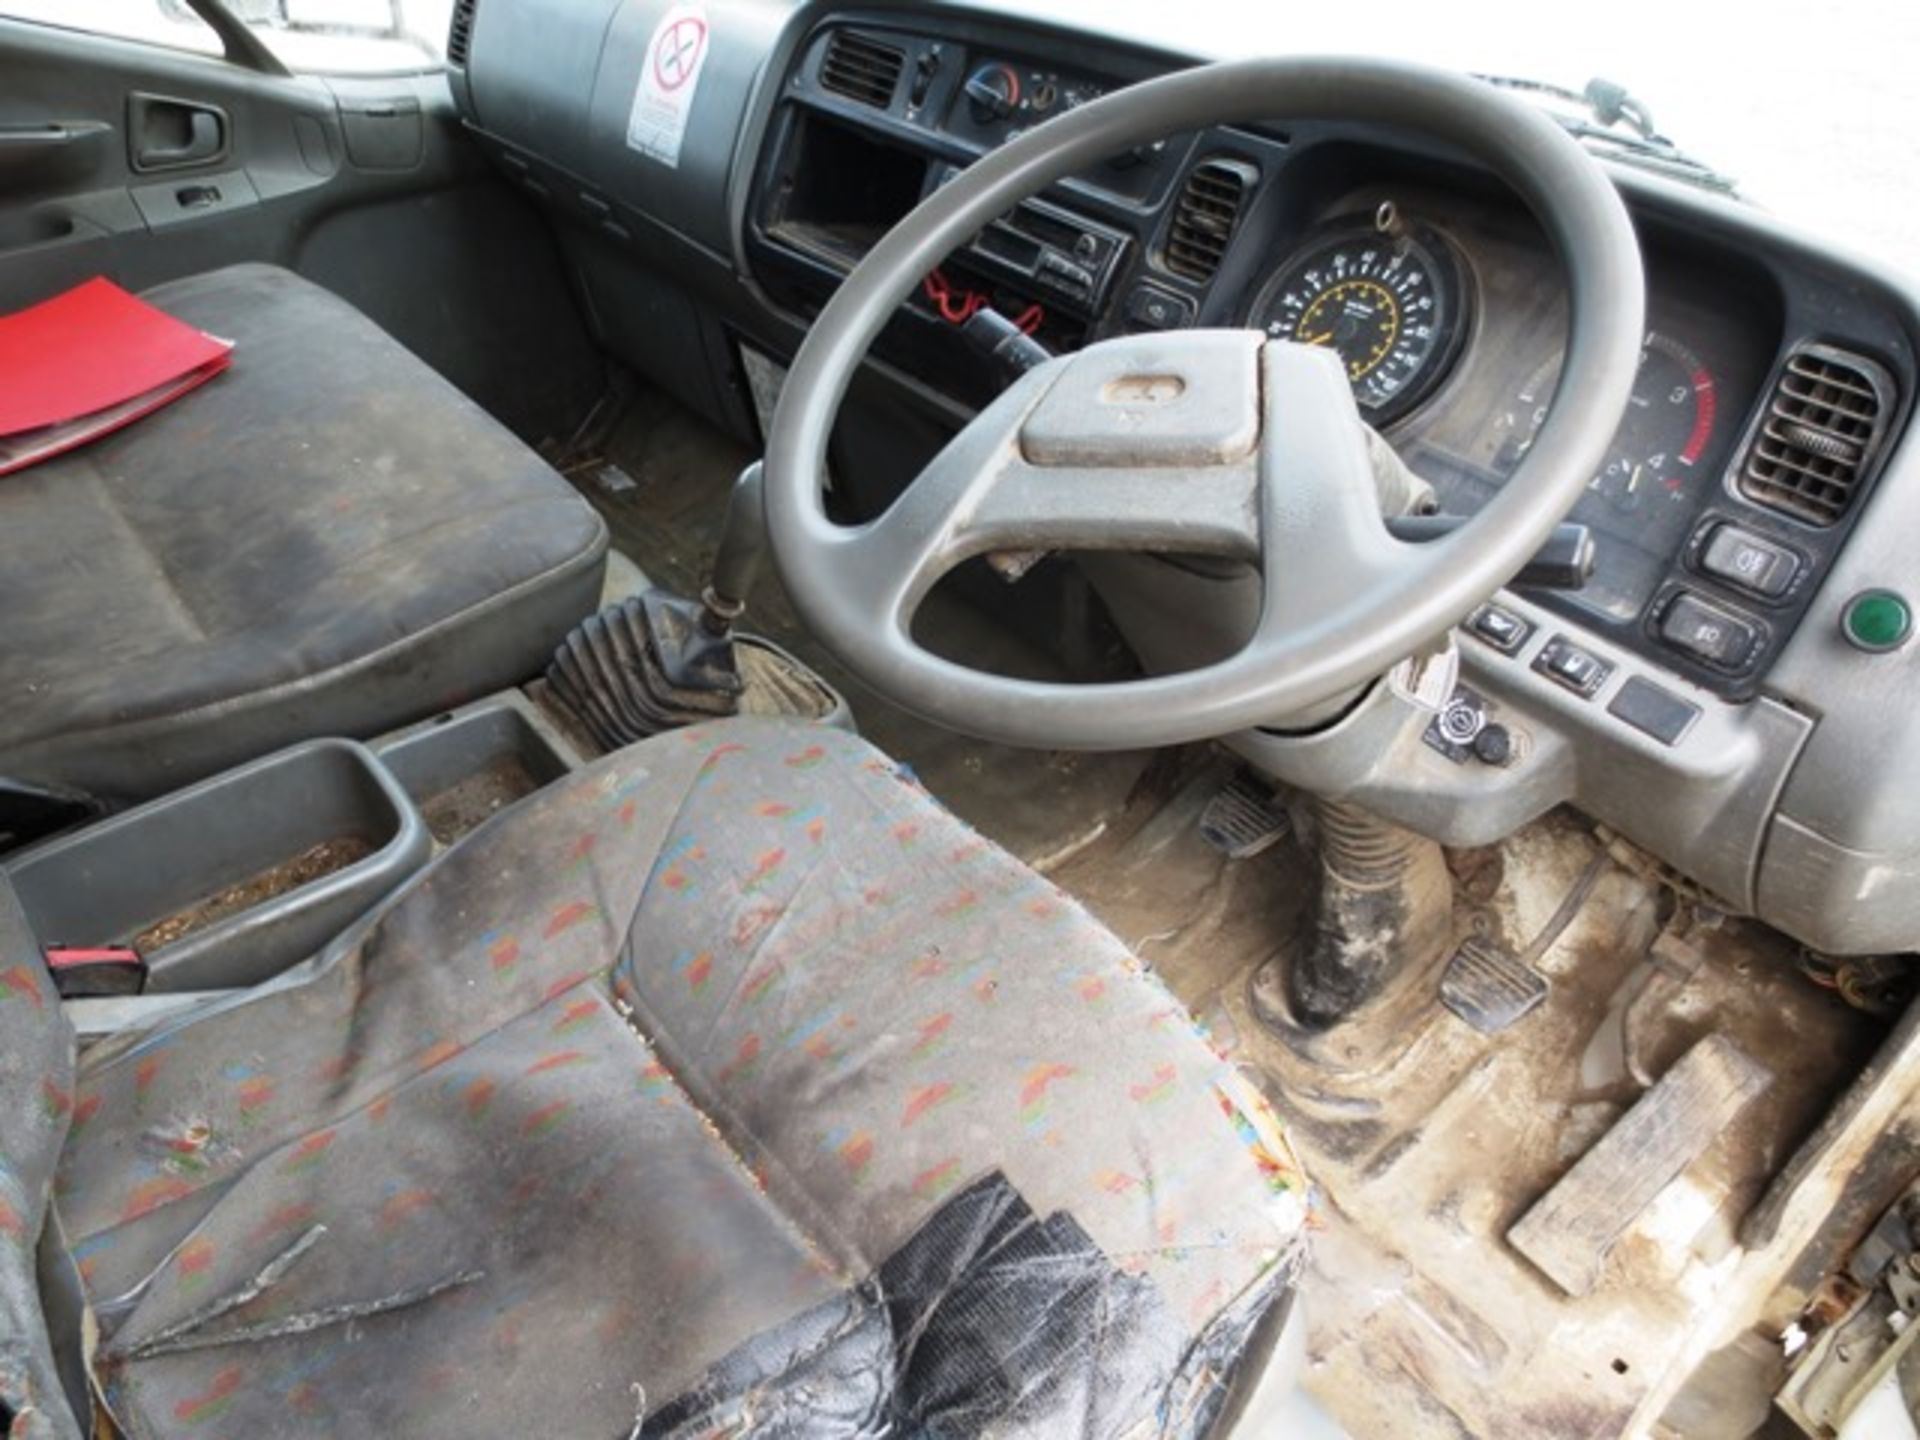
<point>731,1083</point>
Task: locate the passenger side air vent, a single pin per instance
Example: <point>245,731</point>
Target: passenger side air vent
<point>861,68</point>
<point>1825,419</point>
<point>460,32</point>
<point>1204,216</point>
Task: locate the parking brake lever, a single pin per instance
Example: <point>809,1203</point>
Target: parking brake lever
<point>1565,562</point>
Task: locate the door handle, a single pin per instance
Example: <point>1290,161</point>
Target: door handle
<point>203,142</point>
<point>165,134</point>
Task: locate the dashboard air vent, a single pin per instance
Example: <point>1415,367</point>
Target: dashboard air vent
<point>1828,411</point>
<point>861,68</point>
<point>1204,216</point>
<point>460,32</point>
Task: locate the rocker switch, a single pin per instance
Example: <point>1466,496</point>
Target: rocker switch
<point>1499,627</point>
<point>1578,670</point>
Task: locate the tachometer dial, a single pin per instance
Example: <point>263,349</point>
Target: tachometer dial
<point>1668,425</point>
<point>1644,499</point>
<point>1391,305</point>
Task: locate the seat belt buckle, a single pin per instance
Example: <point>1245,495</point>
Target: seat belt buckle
<point>90,972</point>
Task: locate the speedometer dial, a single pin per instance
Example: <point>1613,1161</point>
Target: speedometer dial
<point>1391,305</point>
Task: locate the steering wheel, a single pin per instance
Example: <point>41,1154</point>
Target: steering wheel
<point>1215,442</point>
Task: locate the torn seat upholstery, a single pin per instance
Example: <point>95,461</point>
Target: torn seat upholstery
<point>326,539</point>
<point>729,1087</point>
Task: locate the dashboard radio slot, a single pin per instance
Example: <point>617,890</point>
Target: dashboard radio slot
<point>1068,261</point>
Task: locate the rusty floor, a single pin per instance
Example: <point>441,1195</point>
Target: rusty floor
<point>1425,1322</point>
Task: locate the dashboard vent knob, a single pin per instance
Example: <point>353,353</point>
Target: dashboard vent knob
<point>861,68</point>
<point>1204,216</point>
<point>460,33</point>
<point>1825,419</point>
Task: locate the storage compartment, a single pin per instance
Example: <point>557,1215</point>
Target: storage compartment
<point>463,768</point>
<point>233,880</point>
<point>839,191</point>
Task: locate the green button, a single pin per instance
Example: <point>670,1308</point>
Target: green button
<point>1877,620</point>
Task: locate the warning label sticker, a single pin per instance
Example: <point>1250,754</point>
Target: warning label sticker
<point>669,76</point>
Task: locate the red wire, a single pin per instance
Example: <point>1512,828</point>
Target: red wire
<point>958,306</point>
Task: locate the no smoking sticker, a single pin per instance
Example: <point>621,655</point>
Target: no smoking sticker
<point>669,76</point>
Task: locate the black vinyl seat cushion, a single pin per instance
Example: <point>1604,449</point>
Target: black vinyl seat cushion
<point>327,539</point>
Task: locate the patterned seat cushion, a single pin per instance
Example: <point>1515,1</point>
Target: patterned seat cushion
<point>653,1072</point>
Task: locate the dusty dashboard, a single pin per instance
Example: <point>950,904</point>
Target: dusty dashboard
<point>1450,314</point>
<point>1737,469</point>
<point>874,118</point>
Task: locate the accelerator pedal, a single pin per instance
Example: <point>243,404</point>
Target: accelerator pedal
<point>1488,988</point>
<point>1243,818</point>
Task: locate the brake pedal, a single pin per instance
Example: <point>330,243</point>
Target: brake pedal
<point>1243,819</point>
<point>1488,988</point>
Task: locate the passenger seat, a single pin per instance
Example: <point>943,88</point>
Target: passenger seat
<point>327,539</point>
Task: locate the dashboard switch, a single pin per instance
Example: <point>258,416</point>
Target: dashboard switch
<point>993,93</point>
<point>1499,627</point>
<point>1062,274</point>
<point>1877,620</point>
<point>1718,636</point>
<point>1494,745</point>
<point>924,69</point>
<point>1653,711</point>
<point>1579,670</point>
<point>1154,309</point>
<point>1742,558</point>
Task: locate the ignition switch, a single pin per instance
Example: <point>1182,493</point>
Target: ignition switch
<point>1465,732</point>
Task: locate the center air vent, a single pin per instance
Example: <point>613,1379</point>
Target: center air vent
<point>1825,419</point>
<point>460,32</point>
<point>1204,216</point>
<point>861,68</point>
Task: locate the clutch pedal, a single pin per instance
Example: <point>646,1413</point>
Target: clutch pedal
<point>1243,819</point>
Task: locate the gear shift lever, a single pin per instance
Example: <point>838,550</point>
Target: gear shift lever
<point>655,661</point>
<point>743,548</point>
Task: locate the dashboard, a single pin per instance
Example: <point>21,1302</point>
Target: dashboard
<point>1444,303</point>
<point>1703,693</point>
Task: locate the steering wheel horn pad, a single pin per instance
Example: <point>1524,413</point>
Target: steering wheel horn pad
<point>1181,398</point>
<point>1198,442</point>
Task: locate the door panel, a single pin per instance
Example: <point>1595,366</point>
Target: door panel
<point>142,164</point>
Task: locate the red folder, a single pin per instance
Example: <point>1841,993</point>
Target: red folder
<point>81,364</point>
